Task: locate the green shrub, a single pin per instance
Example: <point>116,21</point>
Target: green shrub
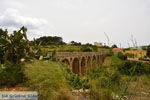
<point>122,56</point>
<point>86,49</point>
<point>134,68</point>
<point>11,74</point>
<point>76,81</point>
<point>105,78</point>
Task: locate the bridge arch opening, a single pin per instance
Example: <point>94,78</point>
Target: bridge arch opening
<point>98,61</point>
<point>66,62</point>
<point>101,61</point>
<point>88,62</point>
<point>75,66</point>
<point>83,65</point>
<point>94,62</point>
<point>103,58</point>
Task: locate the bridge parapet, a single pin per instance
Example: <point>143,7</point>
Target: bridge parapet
<point>74,54</point>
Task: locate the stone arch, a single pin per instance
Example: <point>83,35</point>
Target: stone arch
<point>75,66</point>
<point>66,61</point>
<point>94,62</point>
<point>83,65</point>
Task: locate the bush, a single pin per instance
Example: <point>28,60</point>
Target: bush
<point>122,56</point>
<point>134,68</point>
<point>11,75</point>
<point>105,78</point>
<point>76,81</point>
<point>105,75</point>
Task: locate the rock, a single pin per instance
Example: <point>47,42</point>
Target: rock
<point>22,59</point>
<point>41,58</point>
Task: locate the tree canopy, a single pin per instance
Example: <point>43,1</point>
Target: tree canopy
<point>50,40</point>
<point>114,46</point>
<point>76,43</point>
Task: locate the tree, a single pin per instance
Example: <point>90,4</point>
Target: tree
<point>148,51</point>
<point>88,44</point>
<point>50,40</point>
<point>114,46</point>
<point>75,43</point>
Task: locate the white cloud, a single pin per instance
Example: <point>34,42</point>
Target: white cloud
<point>12,19</point>
<point>77,19</point>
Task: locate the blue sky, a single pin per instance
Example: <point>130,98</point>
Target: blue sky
<point>80,20</point>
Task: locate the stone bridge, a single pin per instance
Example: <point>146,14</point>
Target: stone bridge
<point>80,61</point>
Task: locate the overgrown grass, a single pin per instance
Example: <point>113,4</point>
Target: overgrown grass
<point>113,61</point>
<point>52,79</point>
<point>116,61</point>
<point>48,78</point>
<point>105,81</point>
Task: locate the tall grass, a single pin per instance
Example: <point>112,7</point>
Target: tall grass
<point>54,82</point>
<point>48,79</point>
<point>105,82</point>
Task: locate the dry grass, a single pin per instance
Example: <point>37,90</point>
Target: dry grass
<point>139,89</point>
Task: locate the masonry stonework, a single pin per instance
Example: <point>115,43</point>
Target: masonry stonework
<point>80,61</point>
